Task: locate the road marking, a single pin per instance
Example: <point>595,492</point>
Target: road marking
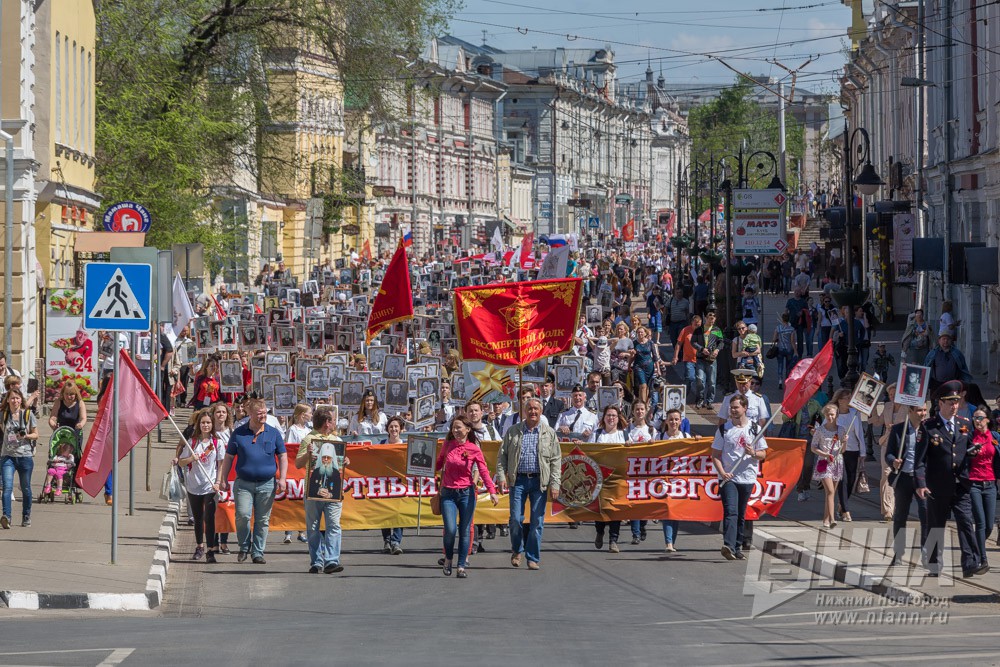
<point>116,657</point>
<point>839,660</point>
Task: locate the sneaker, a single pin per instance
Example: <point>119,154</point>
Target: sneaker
<point>642,534</point>
<point>224,550</point>
<point>636,540</point>
<point>802,497</point>
<point>259,560</point>
<point>210,557</point>
<point>198,553</point>
<point>26,522</point>
<point>47,489</point>
<point>5,522</point>
<point>190,521</point>
<point>288,539</point>
<point>302,538</point>
<point>386,547</point>
<point>491,532</point>
<point>728,553</point>
<point>314,569</point>
<point>242,557</point>
<point>461,573</point>
<point>613,548</point>
<point>58,492</point>
<point>397,550</point>
<point>739,556</point>
<point>598,541</point>
<point>505,530</point>
<point>333,568</point>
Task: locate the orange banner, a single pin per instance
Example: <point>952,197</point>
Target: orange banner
<point>672,479</point>
<point>514,324</point>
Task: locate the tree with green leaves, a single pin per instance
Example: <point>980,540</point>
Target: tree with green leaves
<point>183,104</point>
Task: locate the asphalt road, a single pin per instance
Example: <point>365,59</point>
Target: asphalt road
<point>585,607</point>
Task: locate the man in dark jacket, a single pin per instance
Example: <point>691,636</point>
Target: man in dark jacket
<point>707,340</point>
<point>946,363</point>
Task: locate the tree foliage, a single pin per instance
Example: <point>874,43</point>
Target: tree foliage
<point>720,127</point>
<point>183,103</point>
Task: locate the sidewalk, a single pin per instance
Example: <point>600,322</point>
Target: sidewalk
<point>64,559</point>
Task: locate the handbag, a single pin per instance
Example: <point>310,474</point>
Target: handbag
<point>861,484</point>
<point>436,504</point>
<point>772,352</point>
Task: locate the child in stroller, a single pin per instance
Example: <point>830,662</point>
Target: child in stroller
<point>59,465</point>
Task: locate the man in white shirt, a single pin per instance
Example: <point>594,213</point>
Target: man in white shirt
<point>578,419</point>
<point>5,370</point>
<point>736,457</point>
<point>758,411</point>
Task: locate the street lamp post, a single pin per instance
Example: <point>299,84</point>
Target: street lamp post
<point>867,182</point>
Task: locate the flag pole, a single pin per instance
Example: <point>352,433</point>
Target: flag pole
<point>114,451</point>
<point>902,443</point>
<point>756,438</point>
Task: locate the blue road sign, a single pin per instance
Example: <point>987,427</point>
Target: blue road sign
<point>117,297</point>
<point>594,222</point>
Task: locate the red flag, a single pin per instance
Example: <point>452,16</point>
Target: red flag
<point>366,252</point>
<point>218,309</point>
<point>527,259</point>
<point>139,411</point>
<point>805,379</point>
<point>394,301</point>
<point>628,231</point>
<point>516,323</point>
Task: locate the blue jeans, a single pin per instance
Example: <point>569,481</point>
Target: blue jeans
<point>108,488</point>
<point>457,508</point>
<point>690,379</point>
<point>734,506</point>
<point>984,511</point>
<point>704,374</point>
<point>23,465</point>
<point>656,320</point>
<point>392,535</point>
<point>638,527</point>
<point>256,498</point>
<point>800,342</point>
<point>530,543</point>
<point>324,546</point>
<point>669,531</point>
<point>784,363</point>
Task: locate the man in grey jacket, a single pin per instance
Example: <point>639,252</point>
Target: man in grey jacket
<point>529,462</point>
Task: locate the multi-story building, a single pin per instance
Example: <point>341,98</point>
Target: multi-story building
<point>586,136</point>
<point>439,162</point>
<point>670,148</point>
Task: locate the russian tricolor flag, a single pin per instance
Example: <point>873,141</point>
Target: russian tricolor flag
<point>407,239</point>
<point>557,240</point>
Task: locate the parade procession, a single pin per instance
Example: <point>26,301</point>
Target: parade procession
<point>645,334</point>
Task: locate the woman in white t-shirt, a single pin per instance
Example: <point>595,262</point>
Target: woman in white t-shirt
<point>200,459</point>
<point>854,448</point>
<point>672,431</point>
<point>222,416</point>
<point>611,429</point>
<point>369,420</point>
<point>640,431</point>
<point>299,428</point>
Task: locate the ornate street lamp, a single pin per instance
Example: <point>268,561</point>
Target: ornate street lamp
<point>857,154</point>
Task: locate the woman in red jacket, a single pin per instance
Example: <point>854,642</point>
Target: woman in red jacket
<point>207,384</point>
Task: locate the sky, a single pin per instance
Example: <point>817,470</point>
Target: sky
<point>685,43</point>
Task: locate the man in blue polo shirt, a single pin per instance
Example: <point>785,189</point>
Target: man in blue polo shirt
<point>255,446</point>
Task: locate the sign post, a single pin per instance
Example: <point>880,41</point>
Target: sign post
<point>759,222</point>
<point>116,297</point>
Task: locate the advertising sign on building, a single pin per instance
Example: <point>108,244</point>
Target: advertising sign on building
<point>758,233</point>
<point>70,350</point>
<point>904,229</point>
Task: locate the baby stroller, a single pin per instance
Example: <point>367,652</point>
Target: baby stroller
<point>71,494</point>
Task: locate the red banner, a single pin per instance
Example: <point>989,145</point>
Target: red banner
<point>516,323</point>
<point>394,301</point>
<point>671,479</point>
<point>628,231</point>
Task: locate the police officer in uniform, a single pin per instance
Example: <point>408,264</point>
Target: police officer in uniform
<point>900,456</point>
<point>944,452</point>
<point>757,411</point>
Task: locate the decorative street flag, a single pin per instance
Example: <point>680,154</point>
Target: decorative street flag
<point>366,252</point>
<point>628,231</point>
<point>138,414</point>
<point>517,323</point>
<point>183,310</point>
<point>497,242</point>
<point>527,260</point>
<point>805,379</point>
<point>394,301</point>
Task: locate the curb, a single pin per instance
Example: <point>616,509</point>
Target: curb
<point>831,568</point>
<point>156,582</point>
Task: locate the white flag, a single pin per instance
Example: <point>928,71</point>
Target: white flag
<point>497,242</point>
<point>555,263</point>
<point>183,311</point>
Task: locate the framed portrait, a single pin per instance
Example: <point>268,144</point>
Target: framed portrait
<point>866,394</point>
<point>351,393</point>
<point>394,367</point>
<point>314,340</point>
<point>428,386</point>
<point>145,347</point>
<point>674,397</point>
<point>248,337</point>
<point>256,375</point>
<point>286,339</point>
<point>337,374</point>
<point>231,376</point>
<point>344,341</point>
<point>325,481</point>
<point>396,394</point>
<point>267,384</point>
<point>421,451</point>
<point>282,370</point>
<point>204,342</point>
<point>607,301</point>
<point>379,389</point>
<point>535,371</point>
<point>284,399</point>
<point>271,303</point>
<point>567,377</point>
<point>317,381</point>
<point>608,396</point>
<point>276,358</point>
<point>376,357</point>
<point>447,345</point>
<point>364,377</point>
<point>595,315</point>
<point>414,374</point>
<point>300,370</point>
<point>911,387</point>
<point>310,286</point>
<point>458,391</point>
<point>338,358</point>
<point>423,410</point>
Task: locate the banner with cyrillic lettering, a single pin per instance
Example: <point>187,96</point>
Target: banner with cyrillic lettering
<point>672,479</point>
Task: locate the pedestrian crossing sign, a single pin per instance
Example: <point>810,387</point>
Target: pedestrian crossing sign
<point>117,296</point>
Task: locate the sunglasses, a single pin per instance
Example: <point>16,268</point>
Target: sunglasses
<point>978,419</point>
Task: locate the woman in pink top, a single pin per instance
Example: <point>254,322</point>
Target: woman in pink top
<point>459,458</point>
<point>983,474</point>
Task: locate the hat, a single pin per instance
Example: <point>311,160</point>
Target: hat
<point>945,333</point>
<point>578,387</point>
<point>742,375</point>
<point>752,328</point>
<point>327,449</point>
<point>950,390</point>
